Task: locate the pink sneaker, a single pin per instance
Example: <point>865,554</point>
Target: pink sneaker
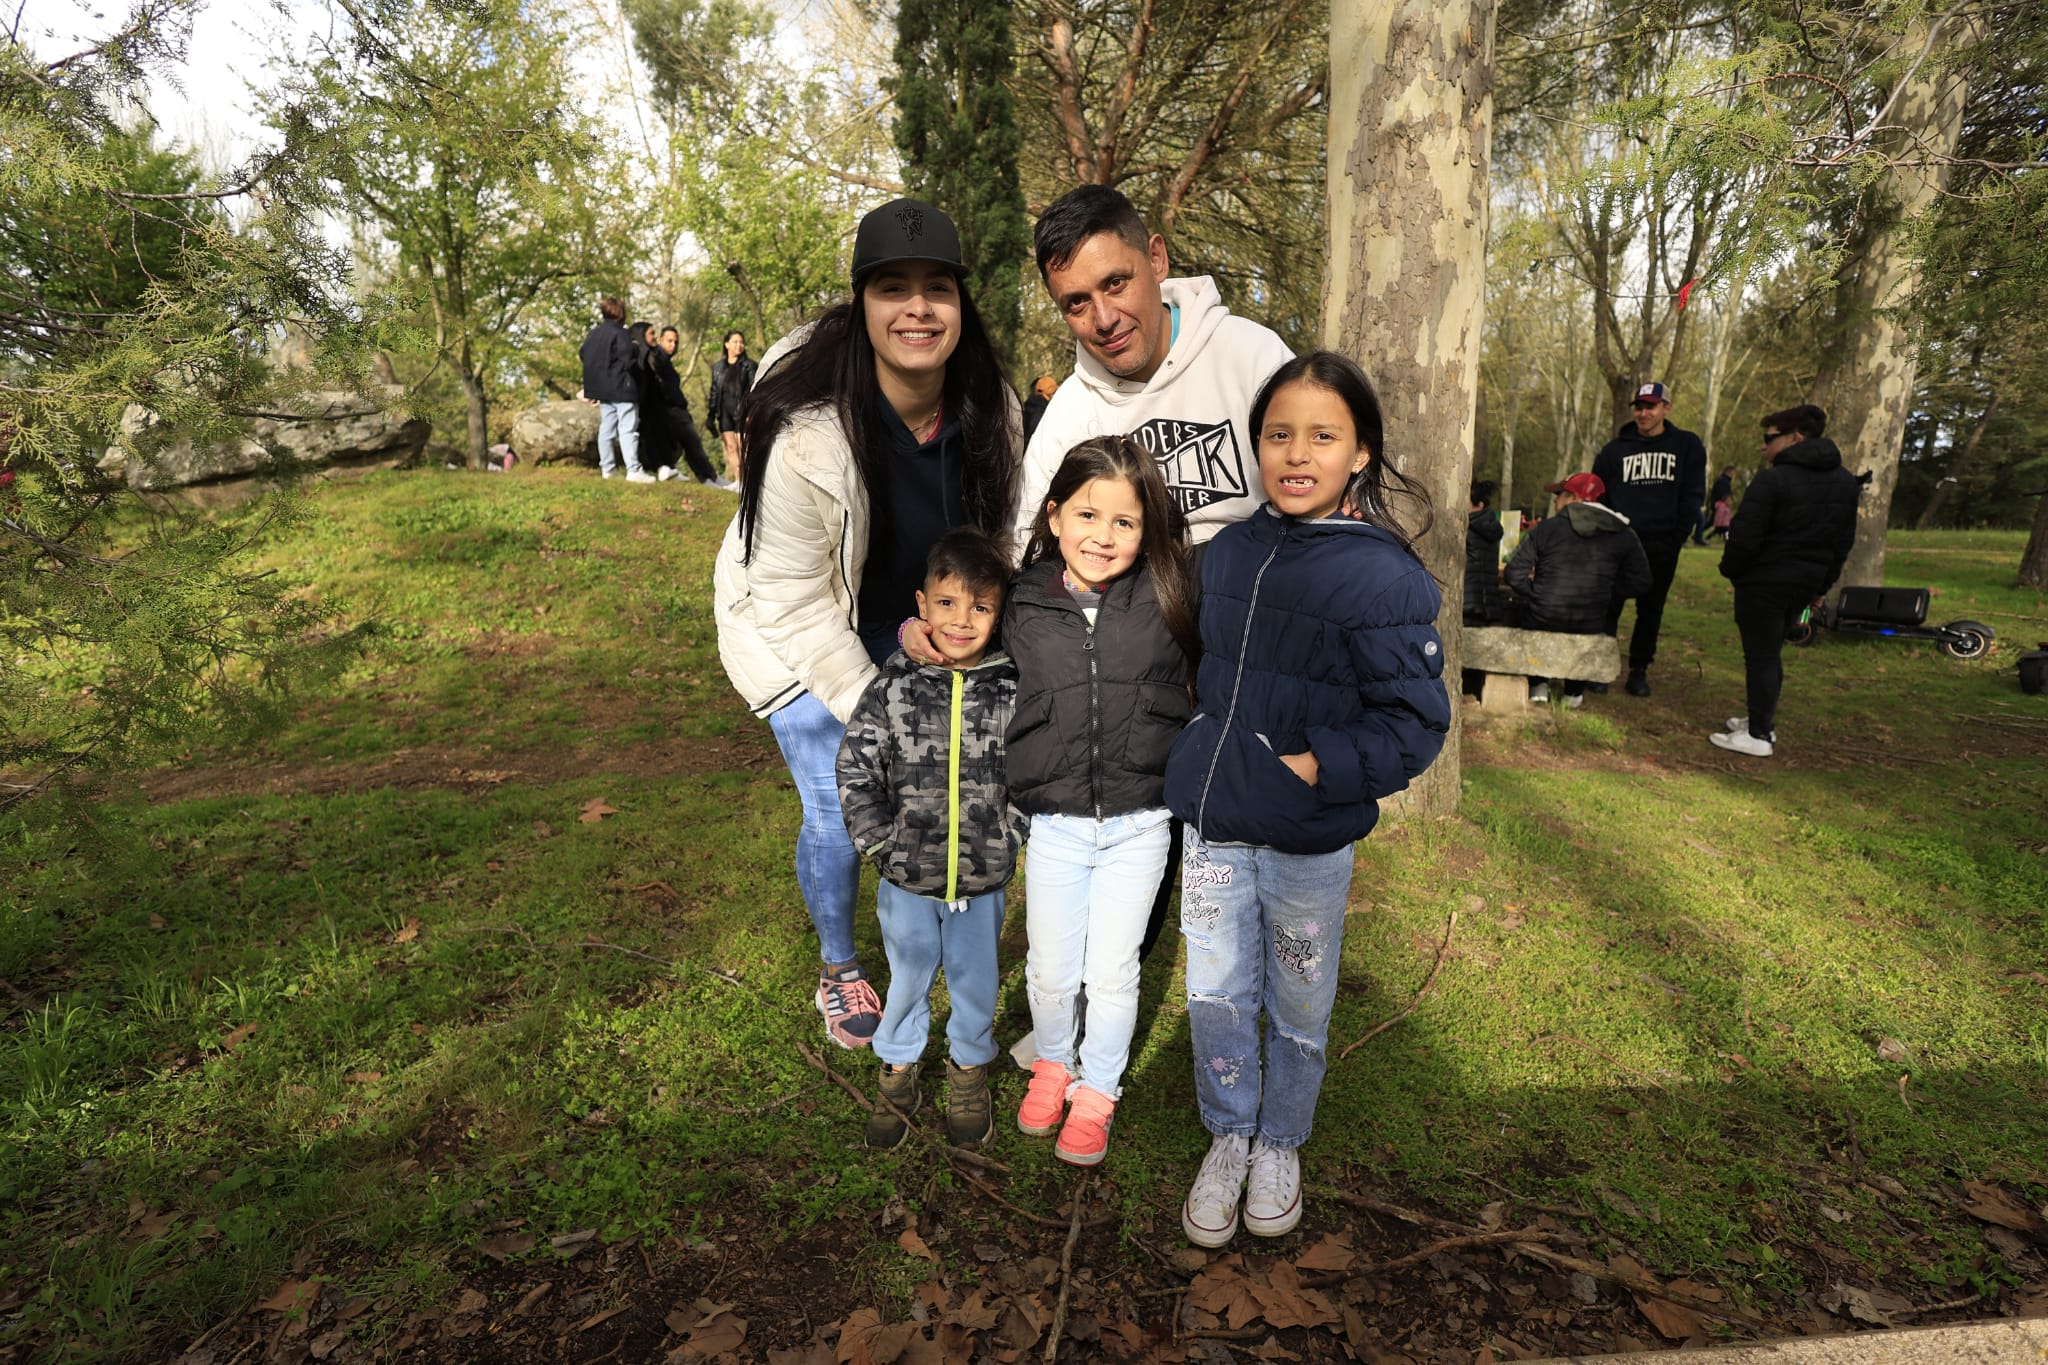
<point>1046,1099</point>
<point>1084,1139</point>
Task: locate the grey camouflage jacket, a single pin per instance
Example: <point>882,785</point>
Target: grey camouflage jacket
<point>921,777</point>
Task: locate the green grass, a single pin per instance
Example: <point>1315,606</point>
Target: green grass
<point>1663,1003</point>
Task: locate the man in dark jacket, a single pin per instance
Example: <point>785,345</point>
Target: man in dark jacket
<point>1571,573</point>
<point>1655,475</point>
<point>1786,547</point>
<point>611,380</point>
<point>675,410</point>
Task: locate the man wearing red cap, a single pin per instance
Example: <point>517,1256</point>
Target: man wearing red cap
<point>1573,571</point>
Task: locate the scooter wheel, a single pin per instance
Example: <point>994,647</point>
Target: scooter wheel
<point>1969,643</point>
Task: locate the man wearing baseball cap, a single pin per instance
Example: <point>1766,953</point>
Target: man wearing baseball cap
<point>1655,475</point>
<point>1569,574</point>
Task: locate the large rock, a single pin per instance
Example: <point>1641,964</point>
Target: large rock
<point>547,432</point>
<point>329,429</point>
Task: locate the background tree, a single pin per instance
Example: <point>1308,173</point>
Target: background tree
<point>1210,115</point>
<point>957,129</point>
<point>1411,111</point>
<point>143,295</point>
<point>468,154</point>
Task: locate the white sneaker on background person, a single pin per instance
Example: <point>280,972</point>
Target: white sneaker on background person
<point>667,472</point>
<point>639,476</point>
<point>1742,742</point>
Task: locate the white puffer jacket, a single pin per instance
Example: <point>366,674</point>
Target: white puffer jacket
<point>787,622</point>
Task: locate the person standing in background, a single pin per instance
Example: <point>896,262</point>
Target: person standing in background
<point>1655,475</point>
<point>610,380</point>
<point>732,378</point>
<point>676,412</point>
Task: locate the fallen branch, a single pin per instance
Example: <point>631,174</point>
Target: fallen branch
<point>1639,1284</point>
<point>1059,1312</point>
<point>1561,1210</point>
<point>1518,1236</point>
<point>1428,982</point>
<point>1944,1306</point>
<point>1366,1204</point>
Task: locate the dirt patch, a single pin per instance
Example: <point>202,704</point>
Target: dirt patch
<point>977,1274</point>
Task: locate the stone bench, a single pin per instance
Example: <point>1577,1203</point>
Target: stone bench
<point>1510,657</point>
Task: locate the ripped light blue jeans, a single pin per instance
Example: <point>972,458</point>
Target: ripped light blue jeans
<point>1264,930</point>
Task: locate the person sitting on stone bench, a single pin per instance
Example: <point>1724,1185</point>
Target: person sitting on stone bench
<point>1574,569</point>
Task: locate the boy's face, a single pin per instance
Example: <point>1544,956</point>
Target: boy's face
<point>962,618</point>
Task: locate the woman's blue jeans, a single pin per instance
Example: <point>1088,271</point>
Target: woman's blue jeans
<point>827,868</point>
<point>1264,930</point>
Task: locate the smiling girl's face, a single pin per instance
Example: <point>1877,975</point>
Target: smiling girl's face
<point>1101,529</point>
<point>1308,450</point>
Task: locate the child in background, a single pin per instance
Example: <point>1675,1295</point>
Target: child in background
<point>1321,687</point>
<point>921,783</point>
<point>1102,625</point>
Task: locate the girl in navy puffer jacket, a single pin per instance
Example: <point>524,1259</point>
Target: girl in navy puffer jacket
<point>1320,691</point>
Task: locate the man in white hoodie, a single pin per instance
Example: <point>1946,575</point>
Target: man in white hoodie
<point>1160,360</point>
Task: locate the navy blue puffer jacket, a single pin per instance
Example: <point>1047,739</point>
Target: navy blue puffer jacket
<point>1318,636</point>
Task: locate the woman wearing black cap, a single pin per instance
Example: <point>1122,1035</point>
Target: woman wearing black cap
<point>884,426</point>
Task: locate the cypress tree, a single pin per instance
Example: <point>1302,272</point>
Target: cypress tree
<point>956,127</point>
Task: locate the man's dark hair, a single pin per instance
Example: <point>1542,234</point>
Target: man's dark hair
<point>1082,213</point>
<point>973,556</point>
<point>1806,419</point>
<point>612,310</point>
<point>1483,491</point>
<point>671,332</point>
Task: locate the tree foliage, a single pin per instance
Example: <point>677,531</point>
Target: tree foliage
<point>462,142</point>
<point>956,127</point>
<point>128,625</point>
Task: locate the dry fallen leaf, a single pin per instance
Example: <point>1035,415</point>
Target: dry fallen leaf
<point>914,1244</point>
<point>505,1245</point>
<point>1992,1204</point>
<point>156,921</point>
<point>1894,1051</point>
<point>237,1038</point>
<point>364,1077</point>
<point>470,1301</point>
<point>1671,1320</point>
<point>409,932</point>
<point>291,1296</point>
<point>595,810</point>
<point>1332,1253</point>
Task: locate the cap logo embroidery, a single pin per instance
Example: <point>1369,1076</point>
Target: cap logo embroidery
<point>912,222</point>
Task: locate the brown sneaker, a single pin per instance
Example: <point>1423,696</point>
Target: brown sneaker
<point>896,1098</point>
<point>970,1120</point>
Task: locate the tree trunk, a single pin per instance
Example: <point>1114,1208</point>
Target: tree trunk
<point>2034,560</point>
<point>1868,388</point>
<point>1411,114</point>
<point>1960,469</point>
<point>478,452</point>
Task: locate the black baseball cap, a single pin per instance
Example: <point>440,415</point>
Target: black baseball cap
<point>905,230</point>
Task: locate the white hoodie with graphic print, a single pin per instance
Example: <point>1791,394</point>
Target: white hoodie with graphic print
<point>1192,414</point>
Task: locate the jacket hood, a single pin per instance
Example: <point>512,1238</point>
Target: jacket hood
<point>1593,519</point>
<point>1816,452</point>
<point>1201,313</point>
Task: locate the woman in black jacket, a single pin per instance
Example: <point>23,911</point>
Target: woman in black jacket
<point>732,375</point>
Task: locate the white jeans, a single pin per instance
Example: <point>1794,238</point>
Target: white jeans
<point>1089,887</point>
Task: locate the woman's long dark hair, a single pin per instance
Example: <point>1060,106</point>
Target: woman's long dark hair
<point>836,364</point>
<point>1373,491</point>
<point>1163,548</point>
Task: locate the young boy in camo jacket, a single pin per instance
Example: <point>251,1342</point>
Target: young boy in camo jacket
<point>921,784</point>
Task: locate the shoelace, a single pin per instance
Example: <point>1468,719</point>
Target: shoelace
<point>1214,1183</point>
<point>852,997</point>
<point>1266,1181</point>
